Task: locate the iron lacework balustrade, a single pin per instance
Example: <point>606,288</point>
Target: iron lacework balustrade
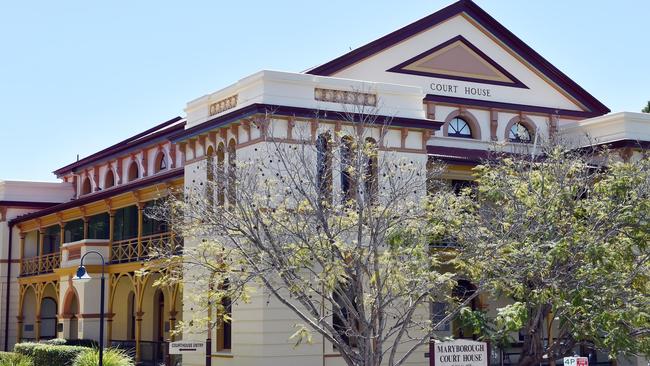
<point>40,264</point>
<point>145,247</point>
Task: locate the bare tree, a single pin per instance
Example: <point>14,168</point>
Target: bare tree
<point>331,225</point>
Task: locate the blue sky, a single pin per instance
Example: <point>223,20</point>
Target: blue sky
<point>77,76</point>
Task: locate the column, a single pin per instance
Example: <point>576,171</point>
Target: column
<point>22,252</point>
<point>111,225</point>
<point>138,334</point>
<point>140,217</point>
<point>37,320</point>
<point>85,219</point>
<point>109,313</point>
<point>41,239</point>
<point>19,318</point>
<point>61,235</point>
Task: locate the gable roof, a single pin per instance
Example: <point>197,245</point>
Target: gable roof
<point>594,106</point>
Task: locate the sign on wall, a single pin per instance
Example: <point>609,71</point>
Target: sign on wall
<point>460,352</point>
<point>186,347</point>
<point>576,361</point>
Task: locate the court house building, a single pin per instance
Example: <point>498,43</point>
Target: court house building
<point>453,84</point>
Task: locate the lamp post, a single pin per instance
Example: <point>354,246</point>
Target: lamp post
<point>82,276</point>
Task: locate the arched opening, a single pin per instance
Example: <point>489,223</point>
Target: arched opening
<point>48,318</point>
<point>109,179</point>
<point>520,132</point>
<point>221,156</point>
<point>160,163</point>
<point>70,314</point>
<point>348,179</point>
<point>85,186</point>
<point>232,179</point>
<point>28,312</point>
<point>371,178</point>
<point>133,172</point>
<point>324,167</point>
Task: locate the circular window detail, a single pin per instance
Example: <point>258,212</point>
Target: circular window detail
<point>458,127</point>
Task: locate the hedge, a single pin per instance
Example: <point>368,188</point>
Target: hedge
<point>51,355</point>
<point>14,359</point>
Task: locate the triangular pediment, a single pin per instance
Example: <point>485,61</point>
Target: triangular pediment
<point>461,54</point>
<point>458,59</point>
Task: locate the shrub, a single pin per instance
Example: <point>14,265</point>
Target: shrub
<point>112,357</point>
<point>55,342</point>
<point>14,359</point>
<point>50,355</point>
<point>90,343</point>
<point>26,348</point>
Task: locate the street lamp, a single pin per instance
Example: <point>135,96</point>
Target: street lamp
<point>82,276</point>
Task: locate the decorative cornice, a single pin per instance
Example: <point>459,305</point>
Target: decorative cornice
<point>345,97</point>
<point>223,105</point>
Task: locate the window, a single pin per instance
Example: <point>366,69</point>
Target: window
<point>224,328</point>
<point>161,162</point>
<point>519,133</point>
<point>74,231</point>
<point>51,239</point>
<point>348,184</point>
<point>439,311</point>
<point>133,171</point>
<point>221,156</point>
<point>126,223</point>
<point>458,127</point>
<point>151,226</point>
<point>85,186</point>
<point>209,167</point>
<point>232,189</point>
<point>342,321</point>
<point>98,226</point>
<point>324,167</point>
<point>371,179</point>
<point>463,291</point>
<point>109,179</point>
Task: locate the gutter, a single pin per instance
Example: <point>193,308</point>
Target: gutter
<point>7,297</point>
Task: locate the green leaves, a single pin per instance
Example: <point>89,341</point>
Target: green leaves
<point>567,241</point>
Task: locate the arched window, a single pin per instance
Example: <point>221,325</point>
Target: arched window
<point>461,292</point>
<point>109,179</point>
<point>371,178</point>
<point>224,327</point>
<point>324,167</point>
<point>458,127</point>
<point>209,167</point>
<point>85,186</point>
<point>160,163</point>
<point>232,158</point>
<point>133,171</point>
<point>348,183</point>
<point>221,156</point>
<point>519,132</point>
